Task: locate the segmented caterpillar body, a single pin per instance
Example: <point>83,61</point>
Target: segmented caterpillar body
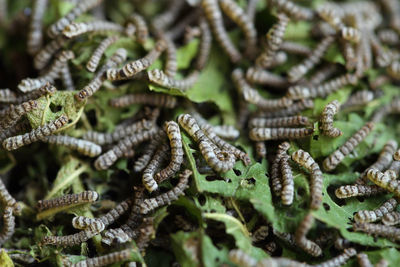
<point>388,36</point>
<point>391,218</point>
<point>15,113</point>
<point>47,89</point>
<point>264,134</point>
<point>327,119</point>
<point>294,109</point>
<point>7,96</point>
<point>205,45</point>
<point>171,63</point>
<point>384,180</point>
<point>348,191</point>
<point>256,75</point>
<point>97,54</point>
<point>292,10</point>
<point>336,157</point>
<point>295,48</point>
<point>226,131</point>
<point>18,141</point>
<point>115,213</point>
<point>287,181</point>
<point>142,32</point>
<point>78,28</point>
<point>82,222</point>
<point>46,53</point>
<point>159,100</point>
<point>339,260</point>
<point>35,37</point>
<point>149,151</point>
<point>279,122</point>
<point>67,200</point>
<point>363,261</point>
<point>160,78</point>
<point>275,168</point>
<point>359,99</point>
<point>240,258</point>
<point>8,225</point>
<point>386,231</point>
<point>84,147</point>
<point>261,150</point>
<point>20,127</point>
<point>323,73</point>
<point>7,199</point>
<point>161,155</point>
<point>301,240</point>
<point>374,215</point>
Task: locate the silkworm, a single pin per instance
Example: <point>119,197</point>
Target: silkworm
<point>298,71</point>
<point>117,58</point>
<point>301,240</point>
<point>276,182</point>
<point>237,14</point>
<point>7,199</point>
<point>109,138</point>
<point>323,90</point>
<point>392,107</point>
<point>213,159</point>
<point>294,109</point>
<point>66,78</point>
<point>171,63</point>
<point>149,204</point>
<point>47,89</point>
<point>8,225</point>
<point>158,77</point>
<point>18,141</point>
<point>339,260</point>
<point>7,96</point>
<point>35,37</point>
<point>305,160</point>
<point>295,48</point>
<point>382,57</point>
<point>115,235</point>
<point>287,181</point>
<point>391,218</point>
<point>78,28</point>
<point>159,100</point>
<point>260,76</point>
<point>279,122</point>
<point>226,131</point>
<point>214,18</point>
<point>264,134</point>
<point>84,147</point>
<point>349,53</point>
<point>15,113</point>
<point>396,155</point>
<point>288,238</point>
<point>337,156</point>
<point>385,181</point>
<point>165,19</point>
<point>205,45</point>
<point>94,60</point>
<point>22,126</point>
<point>292,10</point>
<point>341,243</point>
<point>149,151</point>
<point>327,119</point>
<point>393,8</point>
<point>274,40</point>
<point>82,222</point>
<point>132,68</point>
<point>251,95</point>
<point>363,261</point>
<point>323,73</point>
<point>261,150</point>
<point>395,167</point>
<point>374,215</point>
<point>75,239</point>
<point>67,200</point>
<point>43,57</point>
<point>174,135</point>
<point>350,34</point>
<point>388,36</point>
<point>359,99</point>
<point>381,230</point>
<point>142,32</point>
<point>240,258</point>
<point>115,213</point>
<point>107,159</point>
<point>348,191</point>
<point>19,255</point>
<point>56,28</point>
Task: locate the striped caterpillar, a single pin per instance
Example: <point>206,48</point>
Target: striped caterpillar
<point>7,96</point>
<point>67,200</point>
<point>35,37</point>
<point>339,260</point>
<point>159,100</point>
<point>323,73</point>
<point>142,32</point>
<point>363,261</point>
<point>240,258</point>
<point>160,78</point>
<point>84,147</point>
<point>391,218</point>
<point>292,10</point>
<point>279,122</point>
<point>264,134</point>
<point>374,215</point>
<point>8,225</point>
<point>256,75</point>
<point>275,168</point>
<point>15,113</point>
<point>386,231</point>
<point>8,200</point>
<point>294,109</point>
<point>295,48</point>
<point>149,151</point>
<point>161,155</point>
<point>327,119</point>
<point>78,28</point>
<point>43,57</point>
<point>107,259</point>
<point>348,191</point>
<point>97,54</point>
<point>384,180</point>
<point>205,45</point>
<point>287,181</point>
<point>301,240</point>
<point>359,99</point>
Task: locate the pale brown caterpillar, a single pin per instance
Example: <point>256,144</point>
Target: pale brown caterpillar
<point>158,100</point>
<point>356,190</point>
<point>292,10</point>
<point>8,226</point>
<point>327,119</point>
<point>18,141</point>
<point>205,45</point>
<point>374,215</point>
<point>337,156</point>
<point>358,99</point>
<point>67,200</point>
<point>279,122</point>
<point>363,261</point>
<point>46,53</point>
<point>260,76</point>
<point>295,48</point>
<point>240,258</point>
<point>381,230</point>
<point>150,204</point>
<point>82,222</point>
<point>84,147</point>
<point>142,32</point>
<point>214,18</point>
<point>276,182</point>
<point>47,89</point>
<point>15,113</point>
<point>226,131</point>
<point>294,109</point>
<point>35,37</point>
<point>7,96</point>
<point>78,28</point>
<point>287,194</point>
<point>385,181</point>
<point>149,151</point>
<point>391,218</point>
<point>7,199</point>
<point>304,159</point>
<point>301,239</point>
<point>264,134</point>
<point>160,78</point>
<point>339,260</point>
<point>94,60</point>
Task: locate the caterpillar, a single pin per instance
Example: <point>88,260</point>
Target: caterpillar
<point>238,15</point>
<point>67,200</point>
<point>382,57</point>
<point>392,107</point>
<point>363,261</point>
<point>305,160</point>
<point>158,77</point>
<point>161,155</point>
<point>7,199</point>
<point>19,255</point>
<point>349,54</point>
<point>107,259</point>
<point>337,156</point>
<point>391,218</point>
<point>8,225</point>
<point>294,109</point>
<point>276,182</point>
<point>295,48</point>
<point>82,222</point>
<point>13,130</point>
<point>325,72</point>
<point>94,60</point>
<point>149,151</point>
<point>292,10</point>
<point>261,150</point>
<point>7,96</point>
<point>84,147</point>
<point>142,32</point>
<point>113,215</point>
<point>341,243</point>
<point>359,99</point>
<point>109,138</point>
<point>165,19</point>
<point>257,75</point>
<point>323,90</point>
<point>385,181</point>
<point>264,134</point>
<point>279,122</point>
<point>174,135</point>
<point>270,247</point>
<point>149,204</point>
<point>274,40</point>
<point>348,191</point>
<point>15,113</point>
<point>146,232</point>
<point>47,89</point>
<point>35,37</point>
<point>105,160</point>
<point>240,258</point>
<point>226,131</point>
<point>287,181</point>
<point>158,100</point>
<point>214,18</point>
<point>18,141</point>
<point>374,215</point>
<point>66,78</point>
<point>46,53</point>
<point>339,260</point>
<point>298,71</point>
<point>171,63</point>
<point>301,240</point>
<point>205,45</point>
<point>381,230</point>
<point>350,34</point>
<point>327,119</point>
<point>56,28</point>
<point>78,28</point>
<point>280,262</point>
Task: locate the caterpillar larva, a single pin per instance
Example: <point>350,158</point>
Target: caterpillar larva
<point>327,119</point>
<point>149,151</point>
<point>113,215</point>
<point>391,218</point>
<point>174,135</point>
<point>226,131</point>
<point>15,113</point>
<point>264,134</point>
<point>280,262</point>
<point>350,34</point>
<point>294,109</point>
<point>304,159</point>
<point>46,53</point>
<point>261,150</point>
<point>295,48</point>
<point>160,156</point>
<point>274,40</point>
<point>287,181</point>
<point>8,226</point>
<point>67,200</point>
<point>94,60</point>
<point>7,199</point>
<point>276,182</point>
<point>7,96</point>
<point>150,204</point>
<point>257,75</point>
<point>384,180</point>
<point>388,36</point>
<point>339,260</point>
<point>20,127</point>
<point>166,18</point>
<point>115,236</point>
<point>78,28</point>
<point>82,222</point>
<point>363,261</point>
<point>205,45</point>
<point>171,63</point>
<point>293,10</point>
<point>359,99</point>
<point>47,89</point>
<point>279,122</point>
<point>237,14</point>
<point>160,78</point>
<point>66,78</point>
<point>18,141</point>
<point>214,18</point>
<point>341,243</point>
<point>158,100</point>
<point>19,255</point>
<point>381,230</point>
<point>240,258</point>
<point>356,190</point>
<point>142,32</point>
<point>374,215</point>
<point>301,240</point>
<point>35,27</point>
<point>337,156</point>
<point>84,147</point>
